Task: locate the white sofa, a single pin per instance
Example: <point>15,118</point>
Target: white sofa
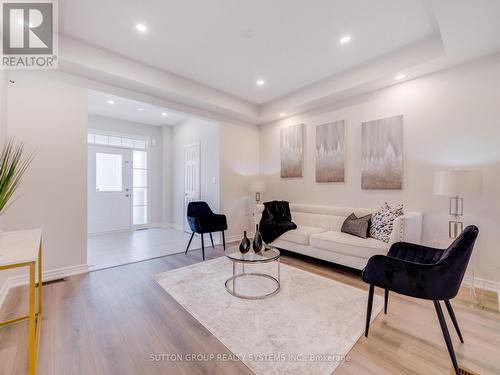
<point>319,235</point>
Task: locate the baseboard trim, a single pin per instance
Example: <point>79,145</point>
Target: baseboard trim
<point>49,275</point>
<point>15,281</point>
<point>3,292</point>
<point>491,285</point>
<point>176,226</point>
<point>236,238</point>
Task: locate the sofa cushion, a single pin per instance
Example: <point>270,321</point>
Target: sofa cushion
<point>301,234</point>
<point>348,244</point>
<point>311,220</point>
<point>357,226</point>
<point>383,221</point>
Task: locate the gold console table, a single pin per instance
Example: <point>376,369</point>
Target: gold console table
<point>24,249</point>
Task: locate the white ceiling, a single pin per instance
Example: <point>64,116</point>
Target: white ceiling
<point>229,44</point>
<point>127,109</point>
<point>204,57</point>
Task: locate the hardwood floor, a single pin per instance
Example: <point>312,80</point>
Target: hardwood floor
<point>111,321</point>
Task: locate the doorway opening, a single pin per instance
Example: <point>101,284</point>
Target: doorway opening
<point>117,183</point>
<point>145,164</point>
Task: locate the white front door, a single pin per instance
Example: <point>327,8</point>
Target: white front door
<point>191,177</point>
<point>108,191</point>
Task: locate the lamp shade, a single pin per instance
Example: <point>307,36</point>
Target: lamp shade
<point>457,183</point>
<point>257,185</point>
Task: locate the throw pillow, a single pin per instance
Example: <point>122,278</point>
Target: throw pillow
<point>357,226</point>
<point>383,221</point>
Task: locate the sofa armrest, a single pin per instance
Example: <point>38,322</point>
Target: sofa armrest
<point>407,228</point>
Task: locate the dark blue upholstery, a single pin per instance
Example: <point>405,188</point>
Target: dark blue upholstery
<point>423,272</point>
<point>420,271</point>
<point>203,220</point>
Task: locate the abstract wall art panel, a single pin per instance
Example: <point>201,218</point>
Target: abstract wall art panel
<point>330,152</point>
<point>382,153</point>
<point>292,150</point>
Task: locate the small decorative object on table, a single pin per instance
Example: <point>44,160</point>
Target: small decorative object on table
<point>257,243</point>
<point>245,243</point>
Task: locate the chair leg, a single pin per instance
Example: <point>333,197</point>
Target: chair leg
<point>212,240</point>
<point>369,308</point>
<point>386,300</point>
<point>446,335</point>
<point>454,320</point>
<point>223,241</point>
<point>202,247</point>
<point>189,243</point>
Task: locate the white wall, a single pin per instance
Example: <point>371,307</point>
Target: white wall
<point>168,175</point>
<point>208,134</point>
<point>155,156</point>
<point>50,117</point>
<point>3,126</point>
<point>451,120</point>
<point>239,158</point>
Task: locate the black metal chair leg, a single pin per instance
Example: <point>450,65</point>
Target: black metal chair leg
<point>386,300</point>
<point>446,335</point>
<point>189,243</point>
<point>212,240</point>
<point>223,241</point>
<point>202,247</point>
<point>369,308</point>
<point>454,320</point>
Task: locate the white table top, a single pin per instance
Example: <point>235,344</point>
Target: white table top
<point>19,246</point>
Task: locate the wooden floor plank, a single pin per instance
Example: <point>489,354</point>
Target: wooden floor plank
<point>112,321</point>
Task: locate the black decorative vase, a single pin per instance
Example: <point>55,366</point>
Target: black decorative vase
<point>245,243</point>
<point>257,243</point>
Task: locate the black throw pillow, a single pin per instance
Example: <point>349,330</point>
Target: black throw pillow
<point>357,226</point>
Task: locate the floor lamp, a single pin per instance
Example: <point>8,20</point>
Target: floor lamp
<point>458,184</point>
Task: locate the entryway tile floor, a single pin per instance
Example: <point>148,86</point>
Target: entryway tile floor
<point>110,250</point>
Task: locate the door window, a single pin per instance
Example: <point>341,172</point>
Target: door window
<point>140,185</point>
<point>108,172</point>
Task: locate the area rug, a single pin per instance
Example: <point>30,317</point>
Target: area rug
<point>307,328</point>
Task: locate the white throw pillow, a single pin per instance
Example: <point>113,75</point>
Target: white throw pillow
<point>383,221</point>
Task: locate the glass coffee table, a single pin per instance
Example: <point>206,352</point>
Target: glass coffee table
<point>253,285</point>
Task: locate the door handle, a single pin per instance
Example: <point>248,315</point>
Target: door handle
<point>127,195</point>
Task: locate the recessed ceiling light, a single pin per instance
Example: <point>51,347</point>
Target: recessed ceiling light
<point>110,101</point>
<point>345,39</point>
<point>164,114</point>
<point>282,114</point>
<point>260,82</point>
<point>141,27</point>
<point>140,109</point>
<point>400,76</point>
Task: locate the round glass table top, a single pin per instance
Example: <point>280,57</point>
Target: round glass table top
<point>267,254</point>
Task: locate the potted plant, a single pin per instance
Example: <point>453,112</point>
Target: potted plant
<point>13,164</point>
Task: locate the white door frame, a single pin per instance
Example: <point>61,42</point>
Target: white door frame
<point>198,145</point>
<point>149,177</point>
<point>127,189</point>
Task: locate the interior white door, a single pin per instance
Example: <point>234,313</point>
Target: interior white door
<point>108,190</point>
<point>192,171</point>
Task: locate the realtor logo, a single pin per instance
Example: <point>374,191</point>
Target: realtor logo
<point>28,35</point>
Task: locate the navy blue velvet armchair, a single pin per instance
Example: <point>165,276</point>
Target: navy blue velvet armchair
<point>202,220</point>
<point>423,272</point>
